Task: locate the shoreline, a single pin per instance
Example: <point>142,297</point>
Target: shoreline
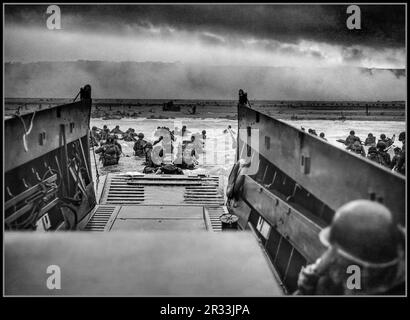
<point>111,109</point>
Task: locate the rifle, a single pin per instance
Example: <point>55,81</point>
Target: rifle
<point>389,147</point>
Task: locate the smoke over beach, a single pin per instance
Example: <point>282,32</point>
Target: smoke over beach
<point>158,80</point>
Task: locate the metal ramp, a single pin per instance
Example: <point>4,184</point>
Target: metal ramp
<point>158,202</point>
<point>100,218</point>
<point>162,189</point>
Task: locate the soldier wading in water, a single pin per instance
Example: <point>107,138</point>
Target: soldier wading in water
<point>110,152</point>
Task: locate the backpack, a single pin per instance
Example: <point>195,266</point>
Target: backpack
<point>110,149</point>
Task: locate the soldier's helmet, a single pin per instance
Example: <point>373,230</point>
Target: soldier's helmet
<point>372,150</point>
<point>140,135</point>
<point>381,145</point>
<point>94,128</point>
<point>364,232</point>
<point>402,136</point>
<point>382,136</point>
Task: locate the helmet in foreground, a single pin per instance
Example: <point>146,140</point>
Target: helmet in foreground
<point>364,232</point>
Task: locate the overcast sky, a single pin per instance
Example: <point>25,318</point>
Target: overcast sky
<point>248,35</point>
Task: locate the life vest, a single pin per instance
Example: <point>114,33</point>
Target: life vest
<point>139,147</point>
<point>110,150</point>
<point>370,141</point>
<point>350,140</point>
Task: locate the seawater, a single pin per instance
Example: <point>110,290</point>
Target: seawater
<point>220,149</point>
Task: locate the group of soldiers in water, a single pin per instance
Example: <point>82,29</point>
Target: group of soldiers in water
<point>154,152</point>
<point>377,152</point>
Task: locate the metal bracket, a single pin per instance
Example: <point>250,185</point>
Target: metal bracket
<point>42,138</point>
<point>305,164</point>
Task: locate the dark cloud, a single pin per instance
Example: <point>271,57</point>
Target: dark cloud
<point>382,25</point>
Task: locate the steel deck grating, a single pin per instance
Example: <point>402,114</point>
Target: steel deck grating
<point>214,214</point>
<point>100,218</point>
<point>168,189</point>
<point>122,191</point>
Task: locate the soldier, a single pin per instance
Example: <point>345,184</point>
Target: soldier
<point>370,140</point>
<point>362,234</point>
<point>117,130</point>
<point>243,97</point>
<point>129,135</point>
<point>401,163</point>
<point>351,138</point>
<point>139,145</point>
<point>204,134</point>
<point>373,155</point>
<point>395,159</point>
<point>110,153</point>
<point>186,156</point>
<point>117,143</point>
<point>148,153</point>
<point>95,137</point>
<point>322,135</point>
<point>357,147</point>
<point>402,139</point>
<point>227,130</point>
<point>105,133</point>
<point>184,130</point>
<point>153,158</point>
<point>169,168</point>
<point>381,149</point>
<point>386,140</point>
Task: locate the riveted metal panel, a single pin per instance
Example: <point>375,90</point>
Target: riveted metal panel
<point>16,155</point>
<point>295,226</point>
<point>333,175</point>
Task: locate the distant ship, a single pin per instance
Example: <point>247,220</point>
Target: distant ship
<point>165,234</point>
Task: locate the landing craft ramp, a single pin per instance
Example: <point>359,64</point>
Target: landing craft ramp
<point>139,264</point>
<point>158,202</point>
<point>150,235</point>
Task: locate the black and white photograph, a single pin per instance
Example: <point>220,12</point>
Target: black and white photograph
<point>204,150</point>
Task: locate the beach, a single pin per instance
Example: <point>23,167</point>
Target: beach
<point>226,109</point>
